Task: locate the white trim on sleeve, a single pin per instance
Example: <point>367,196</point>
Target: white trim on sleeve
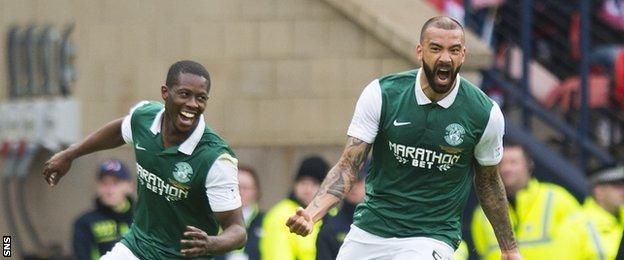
<point>365,122</point>
<point>489,150</point>
<point>126,128</point>
<point>222,184</point>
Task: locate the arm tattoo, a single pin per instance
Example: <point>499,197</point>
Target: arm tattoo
<point>341,177</point>
<point>491,194</point>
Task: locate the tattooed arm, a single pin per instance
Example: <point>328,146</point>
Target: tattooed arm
<point>491,194</point>
<point>337,183</point>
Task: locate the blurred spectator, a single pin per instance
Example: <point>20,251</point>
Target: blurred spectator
<point>567,94</point>
<point>336,225</point>
<point>482,14</point>
<point>96,231</point>
<point>612,13</point>
<point>278,242</point>
<point>249,188</point>
<point>452,8</point>
<point>596,230</point>
<point>536,209</point>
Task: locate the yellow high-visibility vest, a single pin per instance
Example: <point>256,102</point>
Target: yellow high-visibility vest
<point>539,210</point>
<point>278,243</point>
<point>462,251</point>
<point>591,233</point>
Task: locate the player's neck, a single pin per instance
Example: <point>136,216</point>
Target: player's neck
<point>170,135</point>
<point>432,95</point>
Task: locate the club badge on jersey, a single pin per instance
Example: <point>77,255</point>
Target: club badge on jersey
<point>182,172</point>
<point>454,134</point>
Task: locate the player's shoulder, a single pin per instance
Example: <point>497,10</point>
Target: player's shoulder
<point>400,79</point>
<point>212,139</point>
<point>144,112</point>
<point>147,107</point>
<point>476,96</point>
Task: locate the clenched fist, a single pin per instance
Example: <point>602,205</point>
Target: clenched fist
<point>301,223</point>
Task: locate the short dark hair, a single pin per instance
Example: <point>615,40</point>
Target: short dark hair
<point>186,66</point>
<point>442,22</point>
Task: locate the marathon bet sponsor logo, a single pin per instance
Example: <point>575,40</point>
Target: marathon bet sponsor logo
<point>423,158</point>
<point>454,134</point>
<point>182,172</point>
<point>171,189</point>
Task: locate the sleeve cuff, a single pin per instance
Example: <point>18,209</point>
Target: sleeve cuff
<point>361,135</point>
<point>226,206</point>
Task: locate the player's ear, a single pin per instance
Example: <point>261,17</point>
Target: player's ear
<point>419,51</point>
<point>164,91</point>
<point>463,54</point>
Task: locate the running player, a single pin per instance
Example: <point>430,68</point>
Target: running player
<point>187,175</point>
<point>431,132</point>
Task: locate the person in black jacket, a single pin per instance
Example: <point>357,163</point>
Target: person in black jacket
<point>96,231</point>
<point>336,225</point>
<point>249,188</point>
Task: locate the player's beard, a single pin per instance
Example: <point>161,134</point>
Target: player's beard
<point>431,73</point>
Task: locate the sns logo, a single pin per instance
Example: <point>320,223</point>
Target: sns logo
<point>182,172</point>
<point>6,246</point>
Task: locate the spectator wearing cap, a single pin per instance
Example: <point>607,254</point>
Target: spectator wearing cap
<point>96,231</point>
<point>337,223</point>
<point>595,231</point>
<point>277,241</point>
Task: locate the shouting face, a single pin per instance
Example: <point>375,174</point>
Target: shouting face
<point>442,53</point>
<point>185,101</point>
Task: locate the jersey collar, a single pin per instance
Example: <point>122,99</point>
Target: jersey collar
<point>188,146</point>
<point>446,102</point>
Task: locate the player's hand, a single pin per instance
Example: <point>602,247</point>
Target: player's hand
<point>55,168</point>
<point>513,254</point>
<point>301,223</point>
<point>197,242</point>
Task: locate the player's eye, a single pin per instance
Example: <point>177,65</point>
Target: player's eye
<point>202,98</point>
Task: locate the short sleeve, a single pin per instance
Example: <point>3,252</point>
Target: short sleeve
<point>126,128</point>
<point>222,184</point>
<point>489,149</point>
<point>365,121</point>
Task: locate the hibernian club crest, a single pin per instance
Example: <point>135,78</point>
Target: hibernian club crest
<point>182,172</point>
<point>454,134</point>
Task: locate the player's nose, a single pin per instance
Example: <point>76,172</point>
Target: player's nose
<point>192,103</point>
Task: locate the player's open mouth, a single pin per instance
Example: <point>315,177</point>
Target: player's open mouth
<point>443,75</point>
<point>187,118</point>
